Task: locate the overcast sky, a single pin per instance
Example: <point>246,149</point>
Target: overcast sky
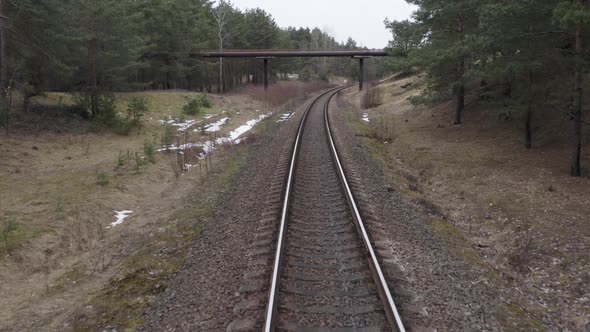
<point>360,19</point>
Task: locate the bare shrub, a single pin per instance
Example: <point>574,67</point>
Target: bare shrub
<point>520,256</point>
<point>84,230</point>
<point>372,97</point>
<point>279,93</point>
<point>186,156</point>
<point>178,163</point>
<point>383,128</point>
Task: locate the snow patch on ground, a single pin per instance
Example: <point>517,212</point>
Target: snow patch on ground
<point>247,127</point>
<point>210,146</point>
<point>215,126</point>
<point>182,125</point>
<point>285,117</point>
<point>366,117</point>
<point>121,216</point>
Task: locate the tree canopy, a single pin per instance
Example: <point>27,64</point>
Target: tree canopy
<point>113,45</point>
<point>525,56</point>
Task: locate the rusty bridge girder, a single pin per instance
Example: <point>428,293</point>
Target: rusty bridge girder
<point>266,55</point>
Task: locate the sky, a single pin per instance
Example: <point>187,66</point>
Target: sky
<point>360,19</point>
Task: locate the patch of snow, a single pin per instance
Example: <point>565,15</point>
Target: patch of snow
<point>210,146</point>
<point>121,216</point>
<point>216,126</point>
<point>182,125</point>
<point>366,117</point>
<point>285,117</point>
<point>247,127</point>
<point>208,116</point>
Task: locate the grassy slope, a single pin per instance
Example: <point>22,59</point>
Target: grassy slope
<point>59,187</point>
<point>511,210</point>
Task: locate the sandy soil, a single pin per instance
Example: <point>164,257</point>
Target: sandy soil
<point>520,210</point>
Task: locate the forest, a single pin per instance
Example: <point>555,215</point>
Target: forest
<point>529,58</point>
<point>93,48</point>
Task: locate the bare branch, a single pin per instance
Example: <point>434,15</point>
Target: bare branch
<point>565,112</point>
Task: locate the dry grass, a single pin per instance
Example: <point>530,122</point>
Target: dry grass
<point>372,97</point>
<point>496,192</point>
<point>281,92</point>
<point>61,186</point>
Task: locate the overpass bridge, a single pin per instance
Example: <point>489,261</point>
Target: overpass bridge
<point>266,55</point>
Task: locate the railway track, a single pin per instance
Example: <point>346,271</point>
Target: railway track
<point>325,276</point>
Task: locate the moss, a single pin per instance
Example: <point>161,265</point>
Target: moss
<point>522,319</point>
<point>14,235</point>
<point>459,244</point>
<point>68,279</point>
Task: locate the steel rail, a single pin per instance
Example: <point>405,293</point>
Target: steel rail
<point>390,308</point>
<point>273,296</point>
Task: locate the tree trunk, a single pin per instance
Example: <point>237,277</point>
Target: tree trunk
<point>460,103</point>
<point>92,77</point>
<point>3,57</point>
<point>461,88</point>
<point>220,75</point>
<point>208,79</point>
<point>528,130</point>
<point>576,167</point>
<point>507,90</point>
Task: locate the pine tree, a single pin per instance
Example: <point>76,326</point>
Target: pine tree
<point>447,28</point>
<point>519,47</point>
<point>574,15</point>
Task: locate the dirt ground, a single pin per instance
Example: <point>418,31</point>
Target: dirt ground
<point>522,212</point>
<point>62,181</point>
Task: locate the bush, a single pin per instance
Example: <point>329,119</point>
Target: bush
<point>102,179</point>
<point>205,102</point>
<point>192,108</point>
<point>107,111</point>
<point>136,109</point>
<point>8,227</point>
<point>149,148</point>
<point>168,135</point>
<point>106,116</point>
<point>123,127</point>
<point>122,160</point>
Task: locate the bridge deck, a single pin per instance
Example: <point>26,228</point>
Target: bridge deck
<point>290,53</point>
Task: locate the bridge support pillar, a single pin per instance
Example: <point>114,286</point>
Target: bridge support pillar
<point>266,74</point>
<point>361,73</point>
